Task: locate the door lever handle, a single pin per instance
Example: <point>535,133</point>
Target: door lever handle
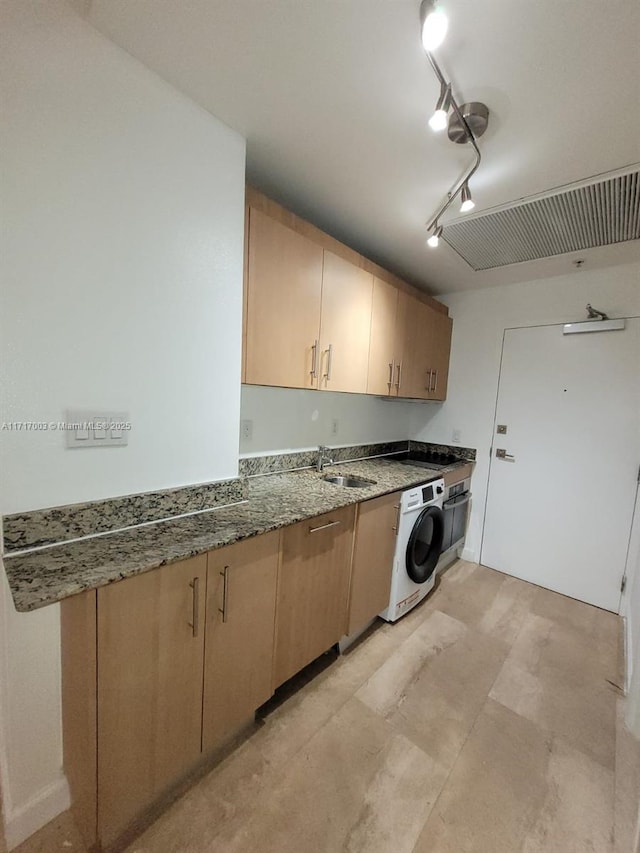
<point>501,453</point>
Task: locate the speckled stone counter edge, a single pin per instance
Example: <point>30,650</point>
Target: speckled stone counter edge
<point>60,524</point>
<point>45,576</point>
<point>55,525</point>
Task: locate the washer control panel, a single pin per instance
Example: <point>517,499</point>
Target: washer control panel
<point>423,495</point>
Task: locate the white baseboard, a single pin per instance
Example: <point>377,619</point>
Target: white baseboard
<point>470,556</point>
<point>628,656</point>
<point>48,803</point>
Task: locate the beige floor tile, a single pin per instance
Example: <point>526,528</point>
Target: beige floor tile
<point>468,599</point>
<point>386,688</point>
<point>577,814</point>
<point>627,785</point>
<point>353,786</point>
<point>60,834</point>
<point>559,677</point>
<point>601,625</point>
<point>584,715</point>
<point>496,790</point>
<point>507,612</point>
<point>490,601</point>
<point>547,646</point>
<point>439,708</point>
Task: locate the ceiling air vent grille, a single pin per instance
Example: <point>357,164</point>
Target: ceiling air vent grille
<point>597,214</point>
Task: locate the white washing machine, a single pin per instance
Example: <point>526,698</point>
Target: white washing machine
<point>418,547</point>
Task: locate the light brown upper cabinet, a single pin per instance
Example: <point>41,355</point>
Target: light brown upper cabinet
<point>428,341</point>
<point>391,346</point>
<point>318,315</point>
<point>421,337</point>
<point>404,346</point>
<point>284,289</point>
<point>382,342</point>
<point>345,325</point>
<point>241,608</point>
<point>441,350</point>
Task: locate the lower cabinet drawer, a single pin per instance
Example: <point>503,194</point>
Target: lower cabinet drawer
<point>313,589</point>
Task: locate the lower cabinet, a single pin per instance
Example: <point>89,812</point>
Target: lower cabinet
<point>313,589</point>
<point>150,663</point>
<point>241,604</point>
<point>373,553</point>
<point>157,671</point>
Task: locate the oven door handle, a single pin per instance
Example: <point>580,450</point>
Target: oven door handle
<point>458,500</point>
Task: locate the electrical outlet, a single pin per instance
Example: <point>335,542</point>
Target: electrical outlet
<point>335,423</point>
<point>456,437</point>
<point>246,430</point>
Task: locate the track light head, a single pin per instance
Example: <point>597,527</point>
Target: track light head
<point>434,24</point>
<point>434,239</point>
<point>438,120</point>
<point>467,202</point>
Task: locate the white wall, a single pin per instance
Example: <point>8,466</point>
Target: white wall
<point>290,419</point>
<point>479,320</point>
<point>122,289</point>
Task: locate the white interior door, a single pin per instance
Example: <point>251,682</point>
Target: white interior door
<point>559,512</point>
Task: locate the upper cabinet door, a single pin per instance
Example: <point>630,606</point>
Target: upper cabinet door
<point>345,325</point>
<point>421,336</point>
<point>442,328</point>
<point>283,305</point>
<point>403,346</point>
<point>382,343</point>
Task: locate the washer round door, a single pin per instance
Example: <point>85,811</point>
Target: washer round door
<point>425,544</point>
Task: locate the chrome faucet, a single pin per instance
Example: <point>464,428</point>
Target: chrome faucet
<point>323,459</point>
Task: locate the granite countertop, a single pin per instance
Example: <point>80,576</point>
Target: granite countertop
<point>42,577</point>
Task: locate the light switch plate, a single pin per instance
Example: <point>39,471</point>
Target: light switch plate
<point>456,436</point>
<point>246,430</point>
<point>88,428</point>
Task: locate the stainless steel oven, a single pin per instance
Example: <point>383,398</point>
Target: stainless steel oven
<point>456,510</point>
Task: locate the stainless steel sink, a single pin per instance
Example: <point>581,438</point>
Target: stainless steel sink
<point>348,482</point>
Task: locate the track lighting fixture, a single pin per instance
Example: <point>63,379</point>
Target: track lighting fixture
<point>467,202</point>
<point>434,239</point>
<point>434,24</point>
<point>465,123</point>
<point>438,120</point>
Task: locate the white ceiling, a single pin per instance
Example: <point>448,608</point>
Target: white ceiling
<point>333,97</point>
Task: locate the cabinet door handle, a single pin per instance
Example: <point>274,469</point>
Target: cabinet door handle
<point>399,366</point>
<point>327,375</point>
<point>324,526</point>
<point>225,593</point>
<point>427,387</point>
<point>435,380</point>
<point>391,366</point>
<point>395,529</point>
<point>314,359</point>
<point>195,604</point>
